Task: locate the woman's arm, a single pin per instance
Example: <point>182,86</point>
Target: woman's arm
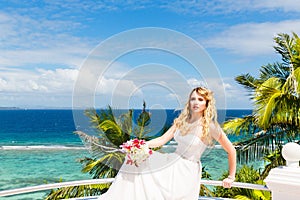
<point>229,148</point>
<point>159,141</point>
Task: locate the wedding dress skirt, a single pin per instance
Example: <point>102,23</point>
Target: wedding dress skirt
<point>163,176</point>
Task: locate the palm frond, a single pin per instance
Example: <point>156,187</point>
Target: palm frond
<point>291,84</point>
<point>276,103</point>
<point>286,111</point>
<point>107,114</point>
<point>277,70</point>
<point>262,143</point>
<point>241,126</point>
<point>265,100</point>
<point>77,191</point>
<point>97,118</point>
<point>255,147</point>
<point>106,167</point>
<point>296,57</point>
<point>241,197</point>
<point>248,81</point>
<point>297,79</point>
<point>267,111</point>
<point>112,131</point>
<point>125,122</point>
<point>143,120</point>
<point>93,116</point>
<point>284,47</point>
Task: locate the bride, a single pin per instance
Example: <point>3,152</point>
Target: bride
<point>176,176</point>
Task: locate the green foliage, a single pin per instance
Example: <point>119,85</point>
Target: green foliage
<point>205,191</point>
<point>143,121</point>
<point>113,132</point>
<point>284,47</point>
<point>248,81</point>
<point>276,99</point>
<point>273,159</point>
<point>246,174</point>
<point>296,57</point>
<point>241,126</point>
<point>105,167</point>
<point>277,70</point>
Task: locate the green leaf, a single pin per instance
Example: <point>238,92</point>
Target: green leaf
<point>112,131</point>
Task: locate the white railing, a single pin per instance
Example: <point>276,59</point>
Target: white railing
<point>237,184</point>
<point>53,186</point>
<point>109,180</point>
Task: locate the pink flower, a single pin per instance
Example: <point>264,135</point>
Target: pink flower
<point>129,162</point>
<point>137,151</point>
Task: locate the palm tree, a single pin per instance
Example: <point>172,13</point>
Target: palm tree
<point>106,155</point>
<point>276,100</point>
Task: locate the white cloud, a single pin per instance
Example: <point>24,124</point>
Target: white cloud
<point>18,81</point>
<point>116,87</point>
<point>37,88</point>
<point>252,39</point>
<point>230,6</point>
<point>285,5</point>
<point>27,41</point>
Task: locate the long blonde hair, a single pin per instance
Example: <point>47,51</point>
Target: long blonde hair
<point>209,114</point>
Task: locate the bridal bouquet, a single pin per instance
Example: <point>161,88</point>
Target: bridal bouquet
<point>136,151</point>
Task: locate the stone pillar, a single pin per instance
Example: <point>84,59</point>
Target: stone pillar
<point>284,182</point>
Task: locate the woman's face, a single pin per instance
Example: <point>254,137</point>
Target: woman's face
<point>197,103</point>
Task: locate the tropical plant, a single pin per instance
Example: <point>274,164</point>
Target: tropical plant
<point>112,131</point>
<point>246,174</point>
<point>204,190</point>
<point>276,99</point>
<point>273,159</point>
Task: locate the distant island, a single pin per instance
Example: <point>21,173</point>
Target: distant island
<point>10,108</point>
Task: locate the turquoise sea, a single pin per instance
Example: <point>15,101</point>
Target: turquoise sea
<point>39,147</point>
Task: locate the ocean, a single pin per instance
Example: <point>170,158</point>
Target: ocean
<point>39,147</point>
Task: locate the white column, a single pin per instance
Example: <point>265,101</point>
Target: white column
<point>284,182</point>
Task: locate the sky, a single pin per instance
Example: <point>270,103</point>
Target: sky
<point>53,53</point>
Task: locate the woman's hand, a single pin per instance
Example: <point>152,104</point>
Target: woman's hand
<point>227,182</point>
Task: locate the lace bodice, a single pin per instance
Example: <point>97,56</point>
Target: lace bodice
<point>189,146</point>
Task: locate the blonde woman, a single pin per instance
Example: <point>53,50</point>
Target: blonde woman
<point>176,176</point>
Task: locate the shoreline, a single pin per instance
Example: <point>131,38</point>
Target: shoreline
<point>41,147</point>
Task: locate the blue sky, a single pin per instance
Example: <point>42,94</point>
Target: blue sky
<point>45,43</point>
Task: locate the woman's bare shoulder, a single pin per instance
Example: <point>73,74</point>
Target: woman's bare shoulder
<point>215,130</point>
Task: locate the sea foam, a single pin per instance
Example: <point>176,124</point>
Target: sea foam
<point>42,147</point>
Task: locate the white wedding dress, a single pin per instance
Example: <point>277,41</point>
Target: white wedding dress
<point>163,176</point>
